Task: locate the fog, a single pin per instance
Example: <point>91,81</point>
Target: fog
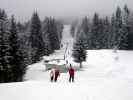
<point>23,9</point>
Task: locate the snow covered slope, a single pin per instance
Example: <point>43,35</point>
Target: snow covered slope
<point>105,76</point>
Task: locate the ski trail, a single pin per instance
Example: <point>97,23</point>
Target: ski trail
<point>37,71</point>
<point>67,42</point>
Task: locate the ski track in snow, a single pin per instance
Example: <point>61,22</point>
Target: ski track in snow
<point>103,78</point>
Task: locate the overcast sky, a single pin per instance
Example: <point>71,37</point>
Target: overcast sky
<point>23,9</point>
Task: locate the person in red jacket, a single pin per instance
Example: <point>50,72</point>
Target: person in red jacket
<point>71,73</point>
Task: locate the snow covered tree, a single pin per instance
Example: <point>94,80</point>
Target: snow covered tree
<point>112,33</point>
<point>118,25</point>
<point>120,35</point>
<point>26,49</point>
<point>106,35</point>
<point>126,14</point>
<point>2,62</point>
<point>130,35</point>
<point>85,31</point>
<point>46,36</point>
<point>54,38</point>
<point>100,43</point>
<point>79,52</point>
<point>47,46</point>
<point>20,27</point>
<point>1,40</point>
<point>36,39</point>
<point>16,60</point>
<point>50,28</point>
<point>95,32</point>
<point>125,43</point>
<point>72,30</point>
<point>12,67</point>
<point>85,26</point>
<point>60,28</point>
<point>4,47</point>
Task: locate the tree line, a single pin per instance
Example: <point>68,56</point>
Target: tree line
<point>115,32</point>
<point>26,43</point>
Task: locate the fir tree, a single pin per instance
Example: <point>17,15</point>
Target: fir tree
<point>47,45</point>
<point>36,39</point>
<point>4,47</point>
<point>72,30</point>
<point>50,28</point>
<point>85,26</point>
<point>54,38</point>
<point>46,34</point>
<point>112,33</point>
<point>106,33</point>
<point>2,62</point>
<point>126,28</point>
<point>95,32</point>
<point>16,61</point>
<point>79,52</point>
<point>60,28</point>
<point>85,31</point>
<point>130,30</point>
<point>120,31</point>
<point>118,27</point>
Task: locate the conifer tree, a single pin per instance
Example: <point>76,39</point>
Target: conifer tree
<point>54,38</point>
<point>106,33</point>
<point>118,28</point>
<point>79,52</point>
<point>50,28</point>
<point>16,61</point>
<point>85,26</point>
<point>130,30</point>
<point>46,34</point>
<point>95,32</point>
<point>47,46</point>
<point>72,30</point>
<point>125,43</point>
<point>112,33</point>
<point>85,31</point>
<point>36,39</point>
<point>4,47</point>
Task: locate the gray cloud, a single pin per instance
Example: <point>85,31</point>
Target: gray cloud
<point>23,9</point>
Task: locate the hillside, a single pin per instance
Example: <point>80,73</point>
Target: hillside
<point>105,75</point>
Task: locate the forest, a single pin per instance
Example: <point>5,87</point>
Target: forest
<point>22,44</point>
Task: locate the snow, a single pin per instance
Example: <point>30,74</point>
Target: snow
<point>105,76</point>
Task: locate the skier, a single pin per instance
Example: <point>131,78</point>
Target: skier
<point>52,74</point>
<point>66,61</point>
<point>71,73</point>
<point>57,74</point>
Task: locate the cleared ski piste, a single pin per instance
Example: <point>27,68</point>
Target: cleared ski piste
<point>105,76</point>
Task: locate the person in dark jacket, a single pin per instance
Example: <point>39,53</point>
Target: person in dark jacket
<point>57,74</point>
<point>71,73</point>
<point>52,74</point>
